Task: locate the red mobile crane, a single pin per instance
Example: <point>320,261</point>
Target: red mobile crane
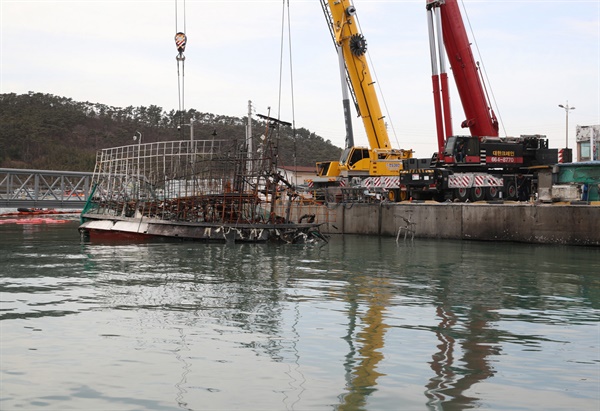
<point>481,165</point>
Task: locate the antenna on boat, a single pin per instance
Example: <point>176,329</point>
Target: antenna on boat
<point>180,42</point>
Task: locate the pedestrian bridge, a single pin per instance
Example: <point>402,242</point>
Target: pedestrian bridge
<point>44,188</point>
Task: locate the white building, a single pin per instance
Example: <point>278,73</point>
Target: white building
<point>585,150</point>
<point>298,175</point>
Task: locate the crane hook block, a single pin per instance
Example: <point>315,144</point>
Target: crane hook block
<point>180,41</point>
<point>358,45</point>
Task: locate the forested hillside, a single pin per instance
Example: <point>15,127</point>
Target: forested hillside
<point>43,131</point>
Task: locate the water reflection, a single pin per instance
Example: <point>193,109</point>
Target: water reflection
<point>465,294</point>
<point>362,323</point>
<point>455,376</point>
<point>199,282</point>
<point>362,362</point>
<point>468,297</point>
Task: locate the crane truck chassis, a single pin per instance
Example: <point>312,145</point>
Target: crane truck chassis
<point>470,169</point>
<point>489,168</point>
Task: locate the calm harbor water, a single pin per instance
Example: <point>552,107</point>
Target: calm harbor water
<point>361,323</point>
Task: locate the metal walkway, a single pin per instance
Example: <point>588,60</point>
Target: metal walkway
<point>44,188</point>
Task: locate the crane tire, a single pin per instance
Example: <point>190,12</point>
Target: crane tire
<point>477,194</point>
<point>462,194</point>
<point>511,190</point>
<point>491,193</point>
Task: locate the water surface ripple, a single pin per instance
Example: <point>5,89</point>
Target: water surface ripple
<point>362,323</point>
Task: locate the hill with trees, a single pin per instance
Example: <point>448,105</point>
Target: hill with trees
<point>43,131</point>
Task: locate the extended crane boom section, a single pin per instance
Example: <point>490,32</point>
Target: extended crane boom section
<point>439,78</point>
<point>480,118</point>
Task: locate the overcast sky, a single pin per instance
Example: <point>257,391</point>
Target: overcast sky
<point>536,53</point>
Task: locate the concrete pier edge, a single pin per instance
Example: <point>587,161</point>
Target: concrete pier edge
<point>510,221</point>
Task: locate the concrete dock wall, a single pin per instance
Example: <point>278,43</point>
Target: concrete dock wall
<point>520,222</point>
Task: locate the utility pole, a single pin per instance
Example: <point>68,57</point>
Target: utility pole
<point>250,148</point>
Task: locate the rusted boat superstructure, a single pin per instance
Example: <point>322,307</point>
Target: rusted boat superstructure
<point>207,190</point>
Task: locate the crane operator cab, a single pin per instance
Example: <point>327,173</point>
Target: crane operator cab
<point>355,158</point>
<point>458,149</point>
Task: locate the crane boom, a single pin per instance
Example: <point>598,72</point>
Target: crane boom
<point>354,46</point>
<point>480,118</point>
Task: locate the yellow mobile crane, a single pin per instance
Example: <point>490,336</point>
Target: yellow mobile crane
<point>375,167</point>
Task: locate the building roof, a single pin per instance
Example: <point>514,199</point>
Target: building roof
<point>299,169</point>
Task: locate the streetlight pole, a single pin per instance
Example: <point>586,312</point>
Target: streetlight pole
<point>567,109</point>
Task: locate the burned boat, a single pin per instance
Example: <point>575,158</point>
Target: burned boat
<point>206,190</point>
